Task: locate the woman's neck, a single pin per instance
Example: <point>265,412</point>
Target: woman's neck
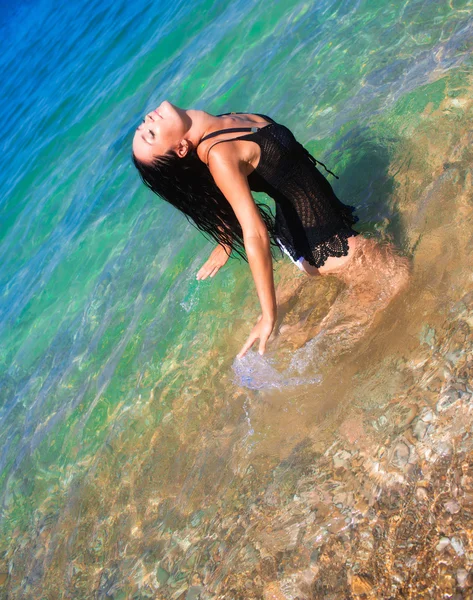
<point>202,123</point>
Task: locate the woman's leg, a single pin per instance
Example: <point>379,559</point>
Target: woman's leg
<point>373,277</point>
<point>287,290</point>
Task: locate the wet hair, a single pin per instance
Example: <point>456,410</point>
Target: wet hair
<point>187,184</point>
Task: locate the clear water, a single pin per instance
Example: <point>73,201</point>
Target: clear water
<point>137,461</point>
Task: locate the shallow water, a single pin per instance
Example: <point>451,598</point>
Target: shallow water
<point>139,460</point>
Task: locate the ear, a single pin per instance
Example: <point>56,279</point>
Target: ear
<point>184,147</point>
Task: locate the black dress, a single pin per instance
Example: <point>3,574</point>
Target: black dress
<point>310,220</point>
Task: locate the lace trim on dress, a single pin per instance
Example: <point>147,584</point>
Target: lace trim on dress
<point>335,246</point>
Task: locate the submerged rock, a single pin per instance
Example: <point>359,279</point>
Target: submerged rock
<point>361,585</point>
<point>399,456</point>
<point>452,507</point>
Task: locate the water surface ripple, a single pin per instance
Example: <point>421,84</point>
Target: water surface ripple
<point>138,458</point>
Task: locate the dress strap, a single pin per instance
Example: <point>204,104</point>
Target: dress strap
<point>231,130</point>
<point>236,129</point>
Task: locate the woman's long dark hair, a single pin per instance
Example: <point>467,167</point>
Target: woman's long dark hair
<point>187,184</point>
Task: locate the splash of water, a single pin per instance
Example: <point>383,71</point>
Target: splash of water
<point>257,372</point>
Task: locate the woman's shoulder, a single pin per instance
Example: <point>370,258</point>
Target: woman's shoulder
<point>222,151</point>
<point>230,155</point>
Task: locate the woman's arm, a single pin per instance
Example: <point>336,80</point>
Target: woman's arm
<point>228,173</point>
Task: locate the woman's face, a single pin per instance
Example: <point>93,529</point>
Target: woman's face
<point>161,130</point>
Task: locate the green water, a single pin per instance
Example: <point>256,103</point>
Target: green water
<point>132,461</point>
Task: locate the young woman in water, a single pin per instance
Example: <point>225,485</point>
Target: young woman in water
<point>180,156</point>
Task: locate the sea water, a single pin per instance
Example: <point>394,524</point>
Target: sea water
<point>138,459</point>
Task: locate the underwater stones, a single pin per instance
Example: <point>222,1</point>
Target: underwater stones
<point>452,507</point>
<point>423,424</point>
<point>428,336</point>
<point>444,449</point>
<point>360,585</point>
<point>467,500</point>
<point>365,547</point>
<point>340,459</point>
<point>281,540</point>
<point>297,585</point>
<point>427,416</point>
<point>457,545</point>
<point>447,585</point>
<point>406,416</point>
<point>178,583</point>
<point>336,523</point>
<point>194,592</point>
<point>443,543</point>
<point>421,494</point>
<point>399,455</point>
<point>375,506</point>
<point>343,499</point>
<point>361,505</point>
<point>420,429</point>
<point>462,577</point>
<point>465,578</point>
<point>162,575</point>
<point>272,495</point>
<point>272,591</point>
<point>109,579</point>
<point>465,373</point>
<point>452,396</point>
<point>460,335</point>
<point>147,593</point>
<point>321,509</point>
<point>382,421</point>
<point>268,567</point>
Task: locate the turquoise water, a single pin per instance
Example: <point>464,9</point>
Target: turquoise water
<point>121,421</point>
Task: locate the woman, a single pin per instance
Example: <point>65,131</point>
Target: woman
<point>180,156</point>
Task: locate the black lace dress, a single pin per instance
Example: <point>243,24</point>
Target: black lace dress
<point>310,220</point>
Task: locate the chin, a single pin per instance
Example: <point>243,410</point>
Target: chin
<point>172,108</point>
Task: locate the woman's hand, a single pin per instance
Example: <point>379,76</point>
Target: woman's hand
<point>262,330</point>
<point>216,260</point>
